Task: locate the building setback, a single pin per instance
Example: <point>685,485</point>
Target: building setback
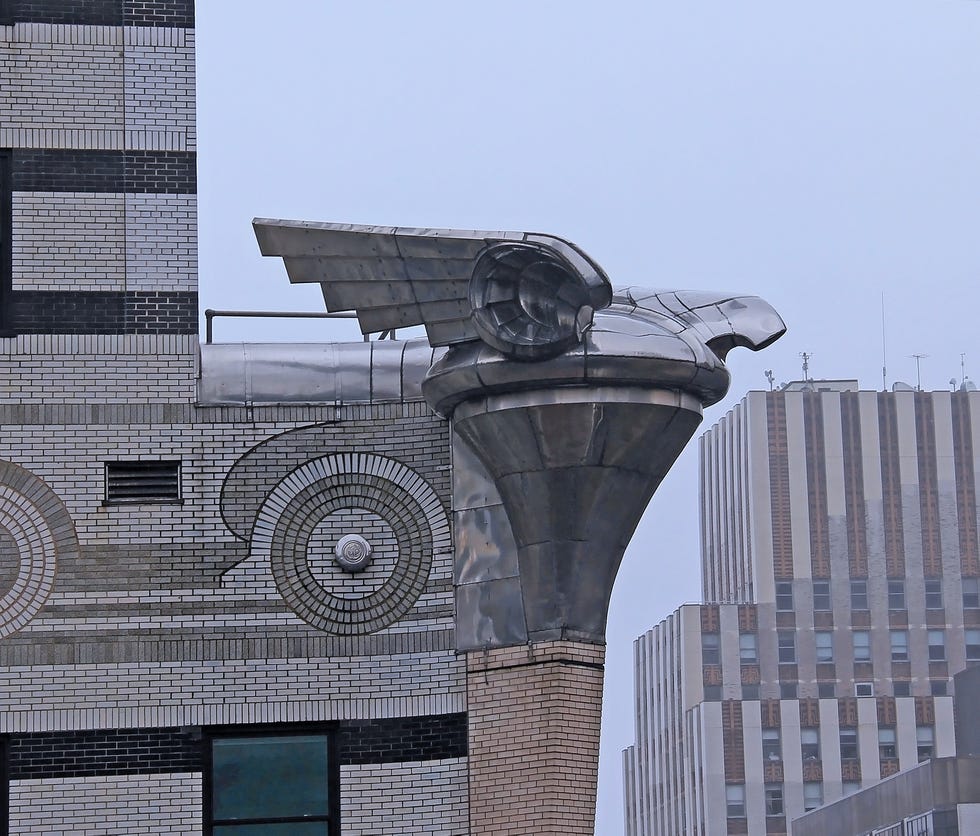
<point>840,567</point>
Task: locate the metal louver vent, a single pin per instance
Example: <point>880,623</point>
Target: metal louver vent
<point>142,481</point>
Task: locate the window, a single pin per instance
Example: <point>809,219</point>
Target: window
<point>710,649</point>
<point>772,749</point>
<point>937,646</point>
<point>925,742</point>
<point>859,595</point>
<point>934,593</point>
<point>825,647</point>
<point>735,801</point>
<point>812,795</point>
<point>787,648</point>
<point>826,690</point>
<point>265,783</point>
<point>902,688</point>
<point>750,692</point>
<point>784,596</point>
<point>787,690</point>
<point>774,799</point>
<point>900,645</point>
<point>848,744</point>
<point>896,595</point>
<point>862,645</point>
<point>850,787</point>
<point>973,645</point>
<point>887,746</point>
<point>937,687</point>
<point>864,689</point>
<point>810,744</point>
<point>971,593</point>
<point>821,596</point>
<point>712,693</point>
<point>748,650</point>
<point>142,481</point>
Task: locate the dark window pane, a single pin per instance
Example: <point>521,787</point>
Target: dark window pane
<point>826,690</point>
<point>784,596</point>
<point>305,828</point>
<point>859,595</point>
<point>971,593</point>
<point>896,595</point>
<point>821,595</point>
<point>710,649</point>
<point>269,777</point>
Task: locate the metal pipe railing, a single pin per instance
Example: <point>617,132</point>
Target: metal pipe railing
<point>210,314</point>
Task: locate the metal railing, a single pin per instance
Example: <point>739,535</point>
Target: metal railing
<point>210,315</point>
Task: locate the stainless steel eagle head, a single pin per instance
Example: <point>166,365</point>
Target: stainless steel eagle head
<point>575,399</point>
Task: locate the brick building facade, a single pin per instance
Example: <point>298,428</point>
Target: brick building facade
<point>171,604</point>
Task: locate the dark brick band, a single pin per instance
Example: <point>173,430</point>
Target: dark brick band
<point>102,312</point>
<point>132,172</point>
<point>397,739</point>
<point>68,754</point>
<point>178,14</point>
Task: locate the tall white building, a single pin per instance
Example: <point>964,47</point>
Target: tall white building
<point>840,566</point>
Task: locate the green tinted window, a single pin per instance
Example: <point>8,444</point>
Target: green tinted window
<point>258,779</point>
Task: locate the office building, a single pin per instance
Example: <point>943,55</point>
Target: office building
<point>840,575</point>
<point>939,797</point>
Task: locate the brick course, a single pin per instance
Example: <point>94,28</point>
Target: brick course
<point>534,715</point>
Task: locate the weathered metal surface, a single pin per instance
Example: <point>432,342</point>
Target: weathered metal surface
<point>250,374</point>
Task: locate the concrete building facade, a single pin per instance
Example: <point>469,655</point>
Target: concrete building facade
<point>839,546</point>
<point>939,797</point>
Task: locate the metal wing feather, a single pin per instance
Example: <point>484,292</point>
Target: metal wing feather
<point>394,277</point>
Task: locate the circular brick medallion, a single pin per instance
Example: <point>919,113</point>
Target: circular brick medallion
<point>36,531</point>
<point>291,523</point>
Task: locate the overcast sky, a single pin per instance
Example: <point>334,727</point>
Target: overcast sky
<point>824,155</point>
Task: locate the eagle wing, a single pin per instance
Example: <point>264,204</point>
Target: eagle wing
<point>394,277</point>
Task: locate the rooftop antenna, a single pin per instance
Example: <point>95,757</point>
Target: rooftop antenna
<point>962,367</point>
<point>918,375</point>
<point>806,365</point>
<point>884,380</point>
<point>771,378</point>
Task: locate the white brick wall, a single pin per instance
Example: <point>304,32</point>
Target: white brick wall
<point>160,97</point>
<point>68,241</point>
<point>97,87</point>
<point>399,799</point>
<point>115,805</point>
<point>161,242</point>
<point>106,368</point>
<point>60,82</point>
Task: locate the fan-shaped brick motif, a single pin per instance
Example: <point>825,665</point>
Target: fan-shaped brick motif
<point>383,493</point>
<point>36,531</point>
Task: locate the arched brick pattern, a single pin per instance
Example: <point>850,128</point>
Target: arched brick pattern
<point>36,531</point>
<point>349,486</point>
